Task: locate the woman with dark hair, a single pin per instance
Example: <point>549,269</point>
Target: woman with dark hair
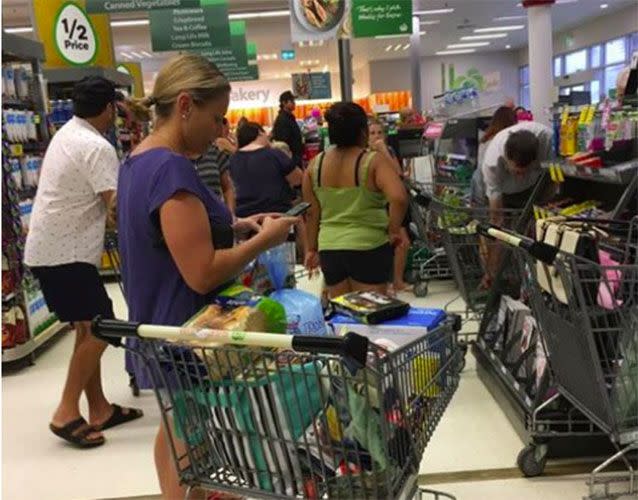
<point>504,117</point>
<point>263,176</point>
<point>351,233</point>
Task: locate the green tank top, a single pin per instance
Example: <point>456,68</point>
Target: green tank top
<point>352,218</point>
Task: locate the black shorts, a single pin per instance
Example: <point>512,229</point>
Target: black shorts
<point>370,267</point>
<point>74,292</point>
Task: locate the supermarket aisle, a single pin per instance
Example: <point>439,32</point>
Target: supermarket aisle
<point>473,435</point>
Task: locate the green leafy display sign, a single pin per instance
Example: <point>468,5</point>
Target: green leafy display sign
<point>381,17</point>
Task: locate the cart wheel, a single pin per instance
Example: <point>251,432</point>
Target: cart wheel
<point>421,289</point>
<point>133,385</point>
<point>531,461</point>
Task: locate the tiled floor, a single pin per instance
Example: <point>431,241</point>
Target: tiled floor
<point>474,435</point>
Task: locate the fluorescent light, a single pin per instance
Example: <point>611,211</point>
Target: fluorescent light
<point>383,37</point>
<point>513,27</point>
<point>388,48</point>
<point>560,2</point>
<point>432,12</point>
<point>468,45</point>
<point>406,46</point>
<point>126,55</point>
<point>484,37</point>
<point>130,22</point>
<point>146,53</point>
<point>325,68</point>
<point>397,47</point>
<point>453,52</point>
<point>257,15</point>
<point>137,54</point>
<point>509,18</point>
<point>508,46</point>
<point>431,22</point>
<point>19,29</point>
<point>604,5</point>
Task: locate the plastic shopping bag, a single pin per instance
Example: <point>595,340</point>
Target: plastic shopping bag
<point>303,311</point>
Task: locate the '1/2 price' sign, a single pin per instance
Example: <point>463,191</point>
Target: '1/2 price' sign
<point>75,37</point>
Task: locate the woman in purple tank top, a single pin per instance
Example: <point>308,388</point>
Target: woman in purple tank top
<point>175,236</point>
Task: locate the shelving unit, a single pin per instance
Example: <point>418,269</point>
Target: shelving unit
<point>24,295</point>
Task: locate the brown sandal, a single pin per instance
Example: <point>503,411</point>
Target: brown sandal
<point>76,433</point>
<point>118,417</point>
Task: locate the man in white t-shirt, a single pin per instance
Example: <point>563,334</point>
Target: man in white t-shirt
<point>64,247</point>
<point>511,168</point>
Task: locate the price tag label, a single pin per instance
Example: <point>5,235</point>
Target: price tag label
<point>75,37</point>
<point>37,119</point>
<point>16,149</point>
<point>565,115</point>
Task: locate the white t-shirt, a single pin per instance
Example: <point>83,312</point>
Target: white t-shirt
<point>498,179</point>
<point>69,214</point>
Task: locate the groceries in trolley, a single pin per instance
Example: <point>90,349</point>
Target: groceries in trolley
<point>297,416</point>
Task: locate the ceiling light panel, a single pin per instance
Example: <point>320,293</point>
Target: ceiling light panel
<point>484,37</point>
<point>468,45</point>
<point>432,12</point>
<point>259,15</point>
<point>454,52</point>
<point>513,27</point>
<point>510,18</point>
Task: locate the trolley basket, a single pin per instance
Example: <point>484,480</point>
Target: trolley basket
<point>294,416</point>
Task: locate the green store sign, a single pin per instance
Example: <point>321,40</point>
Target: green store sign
<point>190,29</point>
<point>101,6</point>
<point>235,54</point>
<point>381,17</point>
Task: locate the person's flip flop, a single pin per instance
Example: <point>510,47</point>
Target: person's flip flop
<point>119,417</point>
<point>77,432</point>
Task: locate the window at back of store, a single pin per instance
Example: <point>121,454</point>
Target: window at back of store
<point>594,88</point>
<point>615,51</point>
<point>557,66</point>
<point>576,61</point>
<point>611,74</point>
<point>596,53</point>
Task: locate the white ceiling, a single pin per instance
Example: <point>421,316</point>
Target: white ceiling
<point>273,34</point>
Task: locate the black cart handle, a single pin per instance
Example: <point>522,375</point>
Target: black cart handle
<point>537,249</point>
<point>351,345</point>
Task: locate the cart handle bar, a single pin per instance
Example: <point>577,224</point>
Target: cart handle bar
<point>541,251</point>
<point>351,345</point>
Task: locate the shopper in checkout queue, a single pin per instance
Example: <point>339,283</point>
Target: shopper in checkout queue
<point>351,233</point>
<point>377,142</point>
<point>175,238</point>
<point>511,167</point>
<point>286,129</point>
<point>64,247</point>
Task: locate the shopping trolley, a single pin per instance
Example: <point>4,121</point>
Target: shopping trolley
<point>427,259</point>
<point>298,417</point>
<point>588,312</point>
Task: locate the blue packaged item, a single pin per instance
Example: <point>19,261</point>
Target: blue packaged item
<point>303,312</point>
<point>400,331</point>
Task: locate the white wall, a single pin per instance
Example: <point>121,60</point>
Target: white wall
<point>600,29</point>
<point>394,74</point>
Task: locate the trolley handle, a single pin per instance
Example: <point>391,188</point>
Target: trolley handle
<point>537,249</point>
<point>418,195</point>
<point>351,346</point>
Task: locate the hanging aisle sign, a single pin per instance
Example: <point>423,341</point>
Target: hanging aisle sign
<point>235,54</point>
<point>311,85</point>
<point>134,70</point>
<point>381,17</point>
<point>70,36</point>
<point>190,29</point>
<point>107,6</point>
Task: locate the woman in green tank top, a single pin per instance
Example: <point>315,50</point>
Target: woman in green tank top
<point>351,232</point>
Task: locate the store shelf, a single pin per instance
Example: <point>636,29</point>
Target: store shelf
<point>21,48</point>
<point>23,350</point>
<point>71,75</point>
<point>618,174</point>
<point>17,104</point>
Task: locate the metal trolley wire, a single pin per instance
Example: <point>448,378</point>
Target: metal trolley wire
<point>279,416</point>
<point>587,308</point>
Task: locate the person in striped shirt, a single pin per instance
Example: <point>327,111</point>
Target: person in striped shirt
<point>213,170</point>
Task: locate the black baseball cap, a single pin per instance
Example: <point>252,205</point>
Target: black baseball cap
<point>286,96</point>
<point>91,95</point>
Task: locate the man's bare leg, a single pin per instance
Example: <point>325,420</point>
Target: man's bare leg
<point>84,362</point>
